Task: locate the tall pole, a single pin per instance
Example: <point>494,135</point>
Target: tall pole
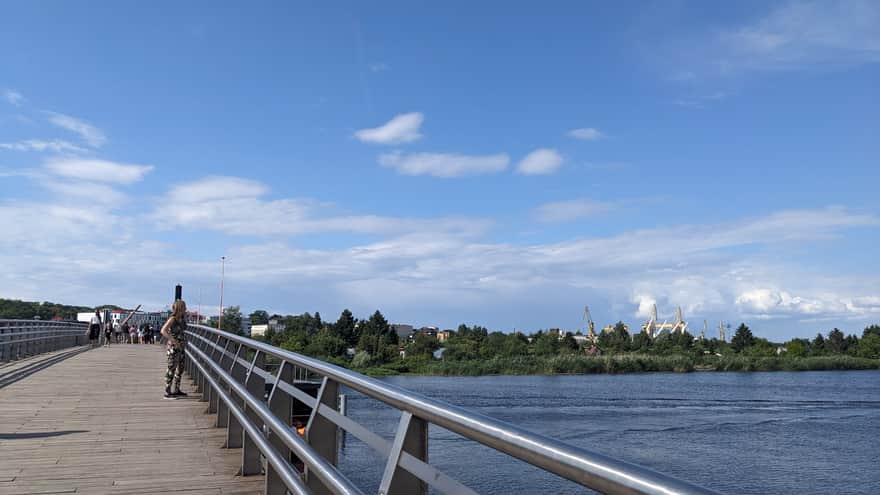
<point>222,273</point>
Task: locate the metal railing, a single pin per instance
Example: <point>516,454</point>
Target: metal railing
<point>23,338</point>
<point>230,373</point>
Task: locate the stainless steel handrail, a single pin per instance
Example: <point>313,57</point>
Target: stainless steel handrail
<point>23,338</point>
<point>590,469</point>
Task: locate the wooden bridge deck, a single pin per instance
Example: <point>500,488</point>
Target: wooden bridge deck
<point>96,423</point>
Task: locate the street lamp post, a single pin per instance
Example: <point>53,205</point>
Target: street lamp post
<point>222,273</point>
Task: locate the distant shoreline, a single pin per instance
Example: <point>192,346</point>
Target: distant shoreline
<point>618,364</point>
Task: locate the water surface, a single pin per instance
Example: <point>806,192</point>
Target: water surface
<point>780,432</point>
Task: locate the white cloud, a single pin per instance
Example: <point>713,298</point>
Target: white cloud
<point>55,145</point>
<point>13,97</point>
<point>444,165</point>
<point>91,134</point>
<point>88,192</point>
<point>810,35</point>
<point>403,128</point>
<point>542,161</point>
<point>573,209</point>
<point>586,134</point>
<point>236,206</point>
<point>98,170</point>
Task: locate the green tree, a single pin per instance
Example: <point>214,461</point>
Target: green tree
<point>259,317</point>
<point>617,340</point>
<point>376,337</point>
<point>873,329</point>
<point>797,347</point>
<point>869,346</point>
<point>546,344</point>
<point>817,347</point>
<point>345,327</point>
<point>742,339</point>
<point>326,344</point>
<point>422,345</point>
<point>515,344</point>
<point>836,341</point>
<point>232,320</point>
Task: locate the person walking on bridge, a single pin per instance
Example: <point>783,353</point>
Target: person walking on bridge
<point>174,331</point>
<point>94,328</point>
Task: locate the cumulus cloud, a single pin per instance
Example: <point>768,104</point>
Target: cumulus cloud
<point>93,136</point>
<point>403,128</point>
<point>98,170</point>
<point>13,97</point>
<point>444,165</point>
<point>54,145</point>
<point>542,161</point>
<point>569,210</point>
<point>237,206</point>
<point>586,134</point>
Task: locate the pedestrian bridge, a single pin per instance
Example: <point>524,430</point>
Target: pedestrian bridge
<point>75,419</point>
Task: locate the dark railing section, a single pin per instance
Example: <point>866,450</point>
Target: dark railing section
<point>232,376</point>
<point>23,338</point>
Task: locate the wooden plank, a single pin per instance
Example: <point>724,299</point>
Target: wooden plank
<point>97,423</point>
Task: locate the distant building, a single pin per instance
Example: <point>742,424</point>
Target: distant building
<point>402,330</point>
<point>428,331</point>
<point>610,328</point>
<point>276,324</point>
<point>444,335</point>
<point>581,339</point>
<point>259,330</point>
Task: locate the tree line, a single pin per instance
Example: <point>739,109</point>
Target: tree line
<point>375,343</point>
<point>14,309</point>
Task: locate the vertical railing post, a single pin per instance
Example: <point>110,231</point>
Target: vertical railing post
<point>256,387</point>
<point>216,356</point>
<point>321,433</point>
<point>412,438</point>
<point>222,407</point>
<point>234,430</point>
<point>281,405</point>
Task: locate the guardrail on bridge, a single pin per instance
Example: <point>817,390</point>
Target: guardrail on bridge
<point>24,338</point>
<point>231,374</point>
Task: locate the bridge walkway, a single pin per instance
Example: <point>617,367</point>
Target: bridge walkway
<point>96,423</point>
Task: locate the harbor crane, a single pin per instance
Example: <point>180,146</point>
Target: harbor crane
<point>591,327</point>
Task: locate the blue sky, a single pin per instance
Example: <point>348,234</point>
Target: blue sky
<point>501,164</point>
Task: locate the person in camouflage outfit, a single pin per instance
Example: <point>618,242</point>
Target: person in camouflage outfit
<point>174,330</point>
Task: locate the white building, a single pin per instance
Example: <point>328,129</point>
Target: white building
<point>259,330</point>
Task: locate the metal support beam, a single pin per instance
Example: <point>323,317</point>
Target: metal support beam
<point>321,433</point>
<point>281,405</point>
<point>234,431</point>
<point>412,438</point>
<point>256,386</point>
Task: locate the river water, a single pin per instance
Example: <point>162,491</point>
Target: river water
<point>781,432</point>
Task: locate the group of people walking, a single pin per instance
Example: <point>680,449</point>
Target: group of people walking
<point>120,333</point>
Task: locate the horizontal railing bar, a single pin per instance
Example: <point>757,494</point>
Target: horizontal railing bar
<point>34,330</point>
<point>35,339</point>
<point>587,468</point>
<point>288,475</point>
<point>332,479</point>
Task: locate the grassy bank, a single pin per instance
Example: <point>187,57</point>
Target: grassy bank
<point>623,363</point>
